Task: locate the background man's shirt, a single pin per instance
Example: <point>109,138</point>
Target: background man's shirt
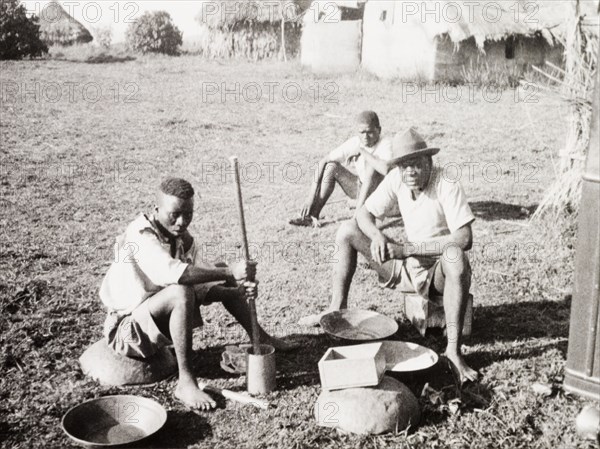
<point>349,150</point>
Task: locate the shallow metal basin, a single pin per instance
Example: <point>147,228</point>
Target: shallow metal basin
<point>113,420</point>
<point>358,325</point>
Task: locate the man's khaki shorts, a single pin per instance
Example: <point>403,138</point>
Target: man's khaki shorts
<point>411,275</point>
<point>136,334</point>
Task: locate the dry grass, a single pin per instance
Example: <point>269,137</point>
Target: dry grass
<point>74,173</point>
<point>576,84</point>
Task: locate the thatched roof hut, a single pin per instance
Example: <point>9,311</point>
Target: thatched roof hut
<point>434,39</point>
<point>482,21</point>
<point>332,36</point>
<point>254,29</point>
<point>227,15</point>
<point>57,27</point>
<point>551,18</point>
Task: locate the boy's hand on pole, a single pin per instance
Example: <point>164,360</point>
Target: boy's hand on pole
<point>249,290</point>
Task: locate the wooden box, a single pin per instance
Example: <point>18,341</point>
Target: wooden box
<point>352,366</point>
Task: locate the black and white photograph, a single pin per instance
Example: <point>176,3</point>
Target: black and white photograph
<point>381,220</point>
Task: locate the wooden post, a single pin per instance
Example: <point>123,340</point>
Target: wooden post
<point>572,54</point>
<point>251,301</point>
<point>283,49</point>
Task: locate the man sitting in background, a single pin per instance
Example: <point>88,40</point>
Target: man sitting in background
<point>432,260</point>
<point>154,289</point>
<point>366,153</point>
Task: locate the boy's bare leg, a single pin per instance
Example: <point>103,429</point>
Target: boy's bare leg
<point>334,173</point>
<point>173,311</point>
<point>453,278</point>
<point>350,241</point>
<point>238,307</point>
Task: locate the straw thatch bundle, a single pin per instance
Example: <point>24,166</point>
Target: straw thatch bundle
<point>253,29</point>
<point>227,15</point>
<point>575,85</point>
<point>57,27</point>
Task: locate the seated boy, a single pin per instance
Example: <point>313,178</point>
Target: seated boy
<point>156,284</point>
<point>367,153</point>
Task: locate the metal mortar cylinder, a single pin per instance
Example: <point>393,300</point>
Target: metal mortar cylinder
<point>260,370</point>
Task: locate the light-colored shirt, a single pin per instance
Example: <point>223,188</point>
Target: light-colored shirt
<point>349,152</point>
<point>440,209</point>
<point>145,262</point>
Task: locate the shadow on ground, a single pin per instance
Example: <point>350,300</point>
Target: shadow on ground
<point>298,367</point>
<point>521,320</point>
<point>182,429</point>
<point>495,210</point>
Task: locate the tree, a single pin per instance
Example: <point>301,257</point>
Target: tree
<point>103,36</point>
<point>19,34</point>
<point>154,32</point>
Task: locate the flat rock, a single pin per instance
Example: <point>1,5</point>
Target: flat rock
<point>107,367</point>
<point>388,407</point>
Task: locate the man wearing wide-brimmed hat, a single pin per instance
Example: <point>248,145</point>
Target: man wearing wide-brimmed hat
<point>432,258</point>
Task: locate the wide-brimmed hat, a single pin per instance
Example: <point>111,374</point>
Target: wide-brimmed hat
<point>409,144</point>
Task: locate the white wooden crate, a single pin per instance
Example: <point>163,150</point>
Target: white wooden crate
<point>352,366</point>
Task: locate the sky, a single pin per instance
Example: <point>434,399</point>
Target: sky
<point>118,14</point>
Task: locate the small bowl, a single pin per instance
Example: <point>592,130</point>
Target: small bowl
<point>357,325</point>
<point>113,420</point>
<point>406,357</point>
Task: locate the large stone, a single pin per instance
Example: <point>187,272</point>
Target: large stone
<point>107,367</point>
<point>388,407</point>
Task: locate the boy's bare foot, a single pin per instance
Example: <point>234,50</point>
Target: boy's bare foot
<point>464,371</point>
<point>193,397</point>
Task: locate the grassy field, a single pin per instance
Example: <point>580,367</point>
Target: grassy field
<point>83,147</point>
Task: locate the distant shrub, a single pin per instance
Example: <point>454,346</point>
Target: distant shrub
<point>103,36</point>
<point>19,34</point>
<point>154,32</point>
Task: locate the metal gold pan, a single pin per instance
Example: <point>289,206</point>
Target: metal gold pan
<point>358,325</point>
<point>113,420</point>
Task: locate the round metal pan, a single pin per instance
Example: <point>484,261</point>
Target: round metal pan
<point>358,325</point>
<point>113,420</point>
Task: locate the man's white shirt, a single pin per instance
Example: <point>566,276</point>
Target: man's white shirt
<point>440,209</point>
<point>349,151</point>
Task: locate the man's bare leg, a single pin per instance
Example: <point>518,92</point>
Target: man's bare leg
<point>335,173</point>
<point>350,241</point>
<point>173,311</point>
<point>239,309</point>
<point>453,279</point>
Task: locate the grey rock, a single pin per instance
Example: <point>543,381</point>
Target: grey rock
<point>109,368</point>
<point>388,407</point>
